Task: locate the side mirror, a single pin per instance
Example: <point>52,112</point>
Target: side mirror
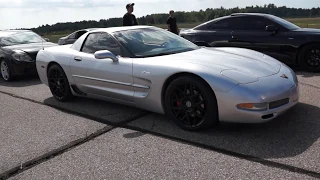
<point>271,28</point>
<point>47,39</point>
<point>103,54</point>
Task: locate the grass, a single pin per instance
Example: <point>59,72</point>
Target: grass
<point>302,22</point>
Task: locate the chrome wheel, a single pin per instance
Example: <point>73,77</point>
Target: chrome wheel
<point>5,71</point>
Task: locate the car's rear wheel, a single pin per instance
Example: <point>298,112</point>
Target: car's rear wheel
<point>309,58</point>
<point>5,71</point>
<point>58,83</point>
<point>191,103</point>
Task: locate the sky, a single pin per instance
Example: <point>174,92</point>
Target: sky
<point>34,13</point>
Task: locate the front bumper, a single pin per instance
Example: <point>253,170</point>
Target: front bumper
<point>21,68</point>
<point>228,112</point>
<point>270,89</point>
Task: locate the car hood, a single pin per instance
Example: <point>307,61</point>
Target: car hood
<point>33,47</point>
<point>238,60</point>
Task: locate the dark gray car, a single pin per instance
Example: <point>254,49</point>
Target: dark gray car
<point>71,38</point>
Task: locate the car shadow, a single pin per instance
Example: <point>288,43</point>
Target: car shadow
<point>97,110</point>
<point>307,74</point>
<point>286,136</point>
<point>24,81</point>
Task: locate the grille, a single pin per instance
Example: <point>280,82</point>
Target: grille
<point>276,104</point>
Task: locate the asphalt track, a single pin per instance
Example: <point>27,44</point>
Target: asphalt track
<point>41,138</point>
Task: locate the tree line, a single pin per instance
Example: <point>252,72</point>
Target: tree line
<point>182,17</point>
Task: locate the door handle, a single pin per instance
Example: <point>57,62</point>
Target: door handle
<point>78,58</point>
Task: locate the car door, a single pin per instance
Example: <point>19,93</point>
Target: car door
<point>102,76</point>
<point>251,33</point>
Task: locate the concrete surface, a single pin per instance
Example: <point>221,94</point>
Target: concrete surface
<point>32,88</point>
<point>292,139</point>
<point>126,154</point>
<point>28,130</point>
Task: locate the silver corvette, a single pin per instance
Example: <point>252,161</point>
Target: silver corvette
<point>156,70</point>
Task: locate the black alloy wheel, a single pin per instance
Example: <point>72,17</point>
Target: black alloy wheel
<point>58,83</point>
<point>191,103</point>
<point>309,58</point>
<point>313,57</point>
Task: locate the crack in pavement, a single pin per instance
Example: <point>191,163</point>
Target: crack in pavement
<point>313,86</point>
<point>230,153</point>
<point>124,124</point>
<point>71,145</point>
<point>51,154</point>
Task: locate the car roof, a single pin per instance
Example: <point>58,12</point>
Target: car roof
<point>234,15</point>
<point>121,28</point>
<point>250,14</point>
<point>91,29</point>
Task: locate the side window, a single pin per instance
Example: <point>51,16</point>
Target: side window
<point>241,23</point>
<point>101,41</point>
<point>258,24</point>
<point>79,34</point>
<point>72,36</point>
<point>219,25</point>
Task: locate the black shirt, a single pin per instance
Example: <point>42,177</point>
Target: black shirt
<point>129,20</point>
<point>172,22</point>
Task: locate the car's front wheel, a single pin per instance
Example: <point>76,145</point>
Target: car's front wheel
<point>191,103</point>
<point>58,83</point>
<point>309,58</point>
<point>5,71</point>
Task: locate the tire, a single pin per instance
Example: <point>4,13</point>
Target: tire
<point>5,71</point>
<point>59,84</point>
<point>309,58</point>
<point>180,104</point>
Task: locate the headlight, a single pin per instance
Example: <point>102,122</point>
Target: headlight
<point>253,106</point>
<point>19,55</point>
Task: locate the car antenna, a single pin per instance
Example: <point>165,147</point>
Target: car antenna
<point>42,44</point>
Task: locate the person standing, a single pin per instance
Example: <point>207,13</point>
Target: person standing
<point>129,19</point>
<point>172,23</point>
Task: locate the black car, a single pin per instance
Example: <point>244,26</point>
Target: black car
<point>18,51</point>
<point>266,33</point>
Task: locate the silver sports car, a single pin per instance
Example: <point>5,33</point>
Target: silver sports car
<point>156,70</point>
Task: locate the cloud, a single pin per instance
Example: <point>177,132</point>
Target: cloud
<point>71,3</point>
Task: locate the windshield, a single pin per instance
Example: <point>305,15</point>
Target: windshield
<point>147,42</point>
<point>285,23</point>
<point>14,38</point>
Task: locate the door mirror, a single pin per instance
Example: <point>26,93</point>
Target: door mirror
<point>104,54</point>
<point>271,28</point>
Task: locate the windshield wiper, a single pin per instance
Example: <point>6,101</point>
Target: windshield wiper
<point>158,54</point>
